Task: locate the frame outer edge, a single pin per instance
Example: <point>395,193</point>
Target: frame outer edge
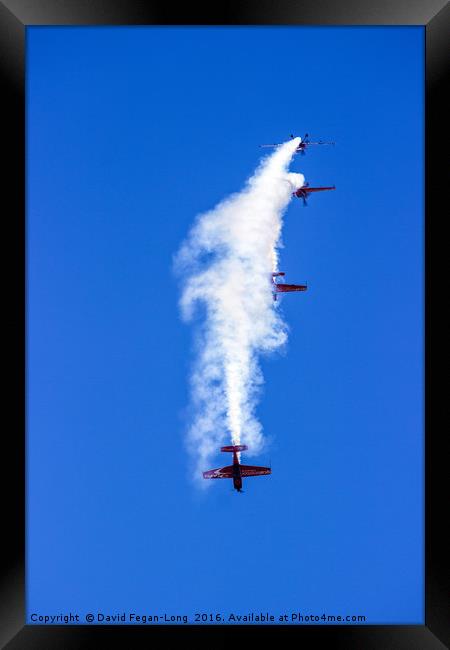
<point>12,75</point>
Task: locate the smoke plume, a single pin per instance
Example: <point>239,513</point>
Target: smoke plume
<point>226,264</point>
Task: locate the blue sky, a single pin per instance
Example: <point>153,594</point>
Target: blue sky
<point>131,133</point>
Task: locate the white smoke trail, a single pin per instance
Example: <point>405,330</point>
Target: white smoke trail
<point>226,264</point>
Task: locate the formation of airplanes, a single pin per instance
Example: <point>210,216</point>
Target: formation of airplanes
<point>305,190</point>
<point>237,471</point>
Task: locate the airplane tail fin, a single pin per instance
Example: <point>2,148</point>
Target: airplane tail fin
<point>234,448</point>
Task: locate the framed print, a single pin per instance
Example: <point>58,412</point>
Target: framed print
<point>219,227</point>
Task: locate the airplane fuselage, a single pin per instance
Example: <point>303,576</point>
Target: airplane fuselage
<point>237,478</point>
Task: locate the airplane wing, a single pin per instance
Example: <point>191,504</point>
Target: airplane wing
<point>254,470</point>
<point>319,189</point>
<point>290,287</point>
<point>222,472</point>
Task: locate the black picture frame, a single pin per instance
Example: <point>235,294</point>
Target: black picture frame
<point>15,16</point>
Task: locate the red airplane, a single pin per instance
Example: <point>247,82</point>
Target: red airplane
<point>284,288</point>
<point>302,146</point>
<point>303,191</point>
<point>236,471</point>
